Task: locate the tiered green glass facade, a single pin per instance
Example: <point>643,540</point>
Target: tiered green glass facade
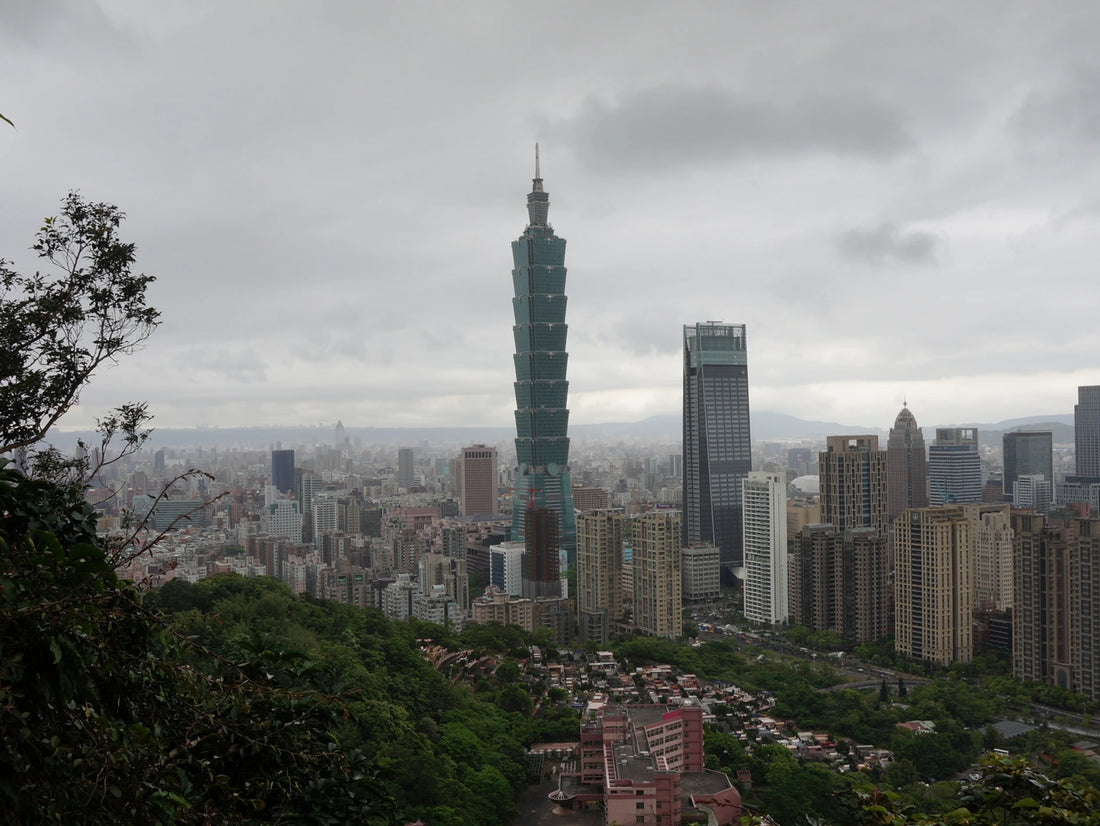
<point>542,418</point>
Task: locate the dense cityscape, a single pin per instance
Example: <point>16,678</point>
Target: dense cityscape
<point>779,516</point>
<point>938,556</point>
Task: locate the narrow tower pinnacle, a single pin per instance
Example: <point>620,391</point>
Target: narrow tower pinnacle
<point>538,201</point>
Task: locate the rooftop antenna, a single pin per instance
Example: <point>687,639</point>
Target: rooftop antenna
<point>537,175</point>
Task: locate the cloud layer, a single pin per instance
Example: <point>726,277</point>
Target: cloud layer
<point>899,200</point>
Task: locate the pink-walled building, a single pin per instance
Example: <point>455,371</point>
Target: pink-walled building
<point>648,761</point>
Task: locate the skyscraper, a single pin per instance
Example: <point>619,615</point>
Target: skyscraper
<point>765,511</point>
<point>658,600</point>
<point>542,418</point>
<point>1027,453</point>
<point>839,582</point>
<point>1086,431</point>
<point>954,467</point>
<point>599,572</point>
<point>282,470</point>
<point>853,483</point>
<point>906,465</point>
<point>404,466</point>
<point>476,480</point>
<point>717,447</point>
<point>934,585</point>
<point>1042,613</point>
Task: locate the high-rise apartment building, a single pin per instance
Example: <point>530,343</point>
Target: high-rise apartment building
<point>1027,453</point>
<point>1042,611</point>
<point>542,418</point>
<point>934,585</point>
<point>1085,576</point>
<point>476,480</point>
<point>853,483</point>
<point>600,536</point>
<point>717,446</point>
<point>954,467</point>
<point>764,497</point>
<point>282,470</point>
<point>1086,431</point>
<point>839,582</point>
<point>1056,616</point>
<point>404,466</point>
<point>991,538</point>
<point>906,465</point>
<point>658,603</point>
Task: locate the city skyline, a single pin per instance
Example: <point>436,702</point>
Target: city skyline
<point>281,190</point>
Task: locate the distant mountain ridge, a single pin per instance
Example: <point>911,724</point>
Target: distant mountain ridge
<point>766,426</point>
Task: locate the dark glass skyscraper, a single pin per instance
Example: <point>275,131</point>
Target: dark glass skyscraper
<point>1086,425</point>
<point>1027,452</point>
<point>717,448</point>
<point>282,470</point>
<point>542,419</point>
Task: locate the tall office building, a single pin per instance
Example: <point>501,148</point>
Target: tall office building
<point>764,500</point>
<point>853,483</point>
<point>658,601</point>
<point>934,585</point>
<point>476,480</point>
<point>542,418</point>
<point>599,572</point>
<point>1086,431</point>
<point>404,466</point>
<point>717,446</point>
<point>340,436</point>
<point>1027,453</point>
<point>282,470</point>
<point>906,465</point>
<point>954,467</point>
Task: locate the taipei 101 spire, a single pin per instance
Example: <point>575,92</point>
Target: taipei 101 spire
<point>542,418</point>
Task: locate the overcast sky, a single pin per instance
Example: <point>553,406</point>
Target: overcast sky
<point>900,200</point>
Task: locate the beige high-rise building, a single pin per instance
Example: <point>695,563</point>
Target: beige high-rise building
<point>800,513</point>
<point>658,604</point>
<point>449,572</point>
<point>853,483</point>
<point>599,571</point>
<point>934,585</point>
<point>588,499</point>
<point>991,538</point>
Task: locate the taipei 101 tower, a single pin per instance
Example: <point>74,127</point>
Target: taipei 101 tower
<point>542,419</point>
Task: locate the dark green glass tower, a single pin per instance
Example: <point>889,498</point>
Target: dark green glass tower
<point>542,419</point>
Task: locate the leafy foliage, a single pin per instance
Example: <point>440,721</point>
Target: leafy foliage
<point>57,329</point>
<point>108,716</point>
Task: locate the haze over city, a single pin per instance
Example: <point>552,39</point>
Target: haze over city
<point>897,200</point>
